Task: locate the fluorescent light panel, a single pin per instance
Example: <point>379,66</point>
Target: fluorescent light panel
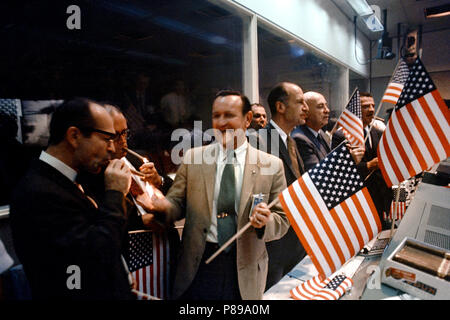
<point>361,7</point>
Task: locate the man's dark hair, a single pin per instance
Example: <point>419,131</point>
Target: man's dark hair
<point>245,101</point>
<point>75,112</point>
<point>278,93</point>
<point>365,94</point>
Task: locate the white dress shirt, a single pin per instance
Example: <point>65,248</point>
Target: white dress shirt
<point>280,131</point>
<point>67,171</point>
<point>241,153</point>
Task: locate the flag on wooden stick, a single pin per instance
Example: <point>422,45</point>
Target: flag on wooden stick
<point>330,211</point>
<point>395,86</point>
<point>351,121</point>
<point>418,132</point>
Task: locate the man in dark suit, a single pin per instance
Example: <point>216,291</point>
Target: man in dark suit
<point>70,245</point>
<point>368,167</point>
<point>288,109</point>
<point>312,143</point>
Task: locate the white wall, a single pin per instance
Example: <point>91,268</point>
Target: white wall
<point>320,24</point>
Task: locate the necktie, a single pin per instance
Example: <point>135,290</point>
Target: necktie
<point>323,145</point>
<point>293,155</point>
<point>226,213</point>
<point>89,198</point>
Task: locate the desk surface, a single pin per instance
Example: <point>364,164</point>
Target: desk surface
<point>361,268</point>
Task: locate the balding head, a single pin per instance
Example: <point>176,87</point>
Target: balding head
<point>318,112</point>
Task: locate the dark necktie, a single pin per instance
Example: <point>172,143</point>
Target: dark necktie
<point>322,143</point>
<point>226,212</point>
<point>293,155</point>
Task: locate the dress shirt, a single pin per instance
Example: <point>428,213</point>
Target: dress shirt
<point>282,134</point>
<point>241,153</point>
<point>67,171</point>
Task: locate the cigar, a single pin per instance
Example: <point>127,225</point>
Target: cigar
<point>137,155</point>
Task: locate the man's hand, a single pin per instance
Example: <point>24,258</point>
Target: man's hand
<point>261,214</point>
<point>373,164</point>
<point>117,176</point>
<point>356,152</point>
<point>151,174</point>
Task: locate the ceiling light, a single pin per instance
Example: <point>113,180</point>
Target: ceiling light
<point>361,7</point>
<point>436,12</point>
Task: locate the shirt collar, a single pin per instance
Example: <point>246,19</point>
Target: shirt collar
<point>282,134</point>
<point>314,132</point>
<point>240,153</point>
<point>67,171</point>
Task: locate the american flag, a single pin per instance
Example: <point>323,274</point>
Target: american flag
<point>401,205</point>
<point>330,211</point>
<point>328,289</point>
<point>351,121</point>
<point>395,86</point>
<point>148,261</point>
<point>418,132</point>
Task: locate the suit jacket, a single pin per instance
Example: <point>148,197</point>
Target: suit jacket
<point>192,198</point>
<point>381,194</point>
<point>287,252</point>
<point>307,147</point>
<point>267,137</point>
<point>54,226</point>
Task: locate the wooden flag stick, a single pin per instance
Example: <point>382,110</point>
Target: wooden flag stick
<point>237,235</point>
<point>397,196</point>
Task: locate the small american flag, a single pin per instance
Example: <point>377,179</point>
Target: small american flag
<point>418,132</point>
<point>330,211</point>
<point>12,108</point>
<point>401,205</point>
<point>351,121</point>
<point>148,261</point>
<point>329,289</point>
<point>395,87</point>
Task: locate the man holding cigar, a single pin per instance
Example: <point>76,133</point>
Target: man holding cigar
<point>69,244</point>
<point>213,190</point>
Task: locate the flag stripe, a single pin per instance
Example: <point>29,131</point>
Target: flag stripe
<point>395,152</point>
<point>368,227</point>
<point>322,223</point>
<point>423,132</point>
<point>383,163</point>
<point>348,233</point>
<point>297,223</point>
<point>352,126</point>
<point>417,137</point>
<point>360,223</point>
<point>436,130</point>
<point>353,223</point>
<point>389,160</point>
<point>408,142</point>
<point>305,199</point>
<point>372,209</point>
<point>399,145</point>
<point>441,113</point>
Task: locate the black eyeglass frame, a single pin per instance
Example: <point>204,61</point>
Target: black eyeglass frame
<point>112,136</point>
<point>124,132</point>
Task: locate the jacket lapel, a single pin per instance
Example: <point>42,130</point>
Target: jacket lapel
<point>209,174</point>
<point>251,171</point>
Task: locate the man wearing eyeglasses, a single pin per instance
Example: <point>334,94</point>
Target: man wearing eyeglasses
<point>69,244</point>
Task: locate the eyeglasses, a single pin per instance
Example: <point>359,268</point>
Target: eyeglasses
<point>123,134</point>
<point>111,136</point>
